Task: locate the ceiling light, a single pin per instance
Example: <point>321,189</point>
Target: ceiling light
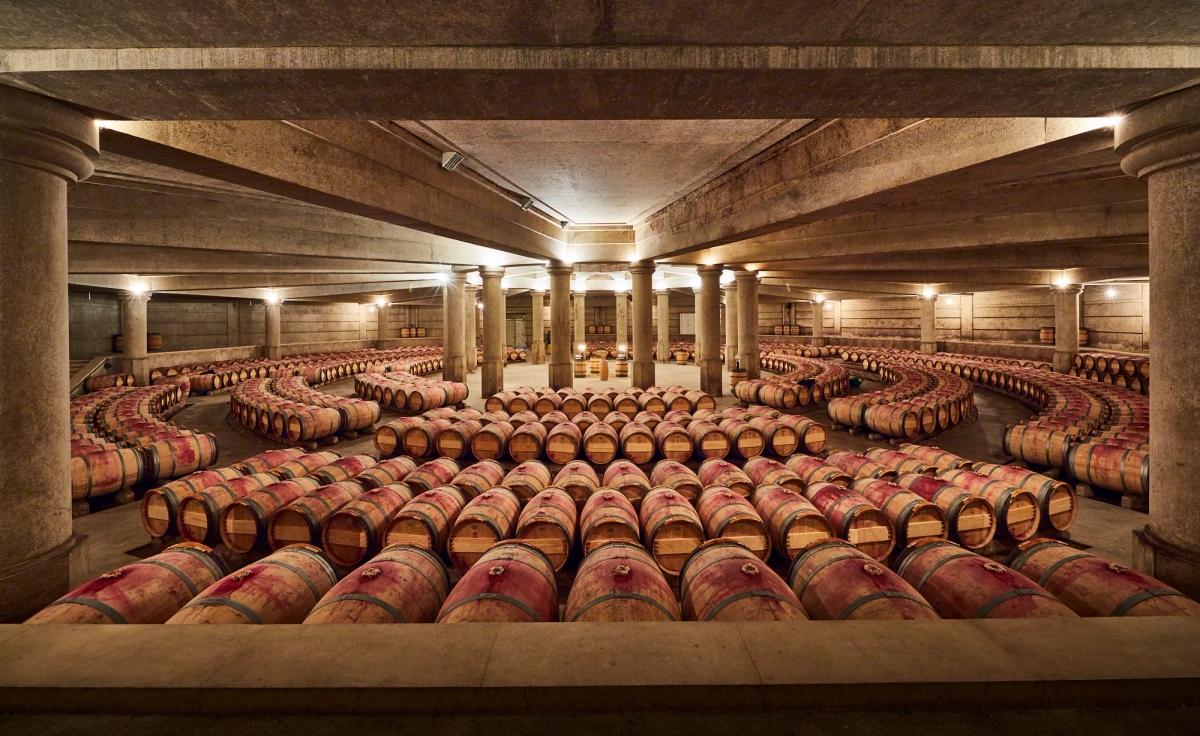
<point>450,159</point>
<point>272,298</point>
<point>381,302</point>
<point>1062,282</point>
<point>1111,292</point>
<point>526,203</point>
<point>927,292</point>
<point>820,298</point>
<point>442,277</point>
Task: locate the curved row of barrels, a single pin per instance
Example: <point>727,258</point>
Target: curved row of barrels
<point>804,381</point>
<point>512,354</point>
<point>118,439</point>
<point>571,401</point>
<point>710,534</point>
<point>107,380</point>
<point>287,408</point>
<point>917,401</point>
<point>399,386</point>
<point>1122,371</point>
<point>639,436</point>
<point>776,349</point>
<point>859,354</point>
<point>1098,433</point>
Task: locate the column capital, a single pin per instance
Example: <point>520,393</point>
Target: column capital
<point>43,134</point>
<point>558,268</point>
<point>747,276</point>
<point>1069,289</point>
<point>641,267</point>
<point>538,292</point>
<point>134,296</point>
<point>662,292</point>
<point>491,272</point>
<point>708,269</point>
<point>1160,134</point>
<point>579,293</point>
<point>930,298</point>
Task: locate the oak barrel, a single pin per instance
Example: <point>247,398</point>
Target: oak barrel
<point>970,518</point>
<point>355,531</point>
<point>724,581</point>
<point>548,522</point>
<point>765,471</point>
<point>836,581</point>
<point>433,474</point>
<point>244,522</point>
<point>527,479</point>
<point>716,472</point>
<point>403,584</point>
<point>678,477</point>
<point>620,582</point>
<point>486,520</point>
<point>729,515</point>
<point>671,528</point>
<point>426,520</point>
<point>607,517</point>
<point>513,582</point>
<point>578,479</point>
<point>792,521</point>
<point>627,478</point>
<point>912,517</point>
<point>600,443</point>
<point>854,518</point>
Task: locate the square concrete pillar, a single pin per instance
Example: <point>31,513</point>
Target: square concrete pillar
<point>708,325</point>
<point>1066,326</point>
<point>561,374</point>
<point>537,346</point>
<point>747,314</point>
<point>731,325</point>
<point>271,337</point>
<point>642,370</point>
<point>492,379</point>
<point>929,324</point>
<point>818,318</point>
<point>663,349</point>
<point>133,329</point>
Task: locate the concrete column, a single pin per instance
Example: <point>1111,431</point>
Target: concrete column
<point>470,330</point>
<point>580,301</point>
<point>1160,142</point>
<point>44,149</point>
<point>1145,316</point>
<point>664,325</point>
<point>747,314</point>
<point>362,321</point>
<point>622,320</point>
<point>697,309</point>
<point>966,317</point>
<point>492,380</point>
<point>641,372</point>
<point>928,324</point>
<point>708,324</point>
<point>837,318</point>
<point>537,345</point>
<point>731,324</point>
<point>560,325</point>
<point>1066,326</point>
<point>271,337</point>
<point>133,328</point>
<point>233,327</point>
<point>383,314</point>
<point>818,316</point>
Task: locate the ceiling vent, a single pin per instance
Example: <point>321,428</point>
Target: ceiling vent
<point>450,159</point>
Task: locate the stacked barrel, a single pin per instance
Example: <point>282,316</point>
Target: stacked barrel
<point>803,381</point>
<point>288,409</point>
<point>917,401</point>
<point>1122,371</point>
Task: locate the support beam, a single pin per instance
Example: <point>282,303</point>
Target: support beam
<point>642,371</point>
<point>1160,142</point>
<point>561,374</point>
<point>272,337</point>
<point>731,325</point>
<point>708,329</point>
<point>44,149</point>
<point>1066,326</point>
<point>663,348</point>
<point>929,324</point>
<point>747,313</point>
<point>537,346</point>
<point>818,328</point>
<point>492,379</point>
<point>133,331</point>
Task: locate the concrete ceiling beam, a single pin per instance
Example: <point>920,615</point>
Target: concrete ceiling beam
<point>147,260</point>
<point>1040,256</point>
<point>981,276</point>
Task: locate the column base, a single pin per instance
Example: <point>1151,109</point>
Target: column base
<point>273,353</point>
<point>928,348</point>
<point>1177,567</point>
<point>818,342</point>
<point>641,374</point>
<point>454,368</point>
<point>662,352</point>
<point>537,353</point>
<point>1064,362</point>
<point>29,586</point>
<point>562,376</point>
<point>136,367</point>
<point>492,378</point>
<point>710,376</point>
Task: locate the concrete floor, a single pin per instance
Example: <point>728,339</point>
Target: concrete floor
<point>115,533</point>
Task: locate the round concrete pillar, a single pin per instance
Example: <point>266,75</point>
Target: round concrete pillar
<point>747,314</point>
<point>383,314</point>
<point>271,338</point>
<point>928,324</point>
<point>454,363</point>
<point>44,148</point>
<point>622,322</point>
<point>697,310</point>
<point>580,300</point>
<point>642,371</point>
<point>1160,142</point>
<point>708,325</point>
<point>537,346</point>
<point>560,326</point>
<point>731,325</point>
<point>133,330</point>
<point>1066,326</point>
<point>492,379</point>
<point>470,331</point>
<point>818,317</point>
<point>664,325</point>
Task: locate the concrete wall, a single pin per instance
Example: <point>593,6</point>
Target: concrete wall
<point>1120,321</point>
<point>94,317</point>
<point>188,323</point>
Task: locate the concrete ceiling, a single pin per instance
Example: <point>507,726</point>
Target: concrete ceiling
<point>605,171</point>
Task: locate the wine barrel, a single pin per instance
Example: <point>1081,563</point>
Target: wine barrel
<point>620,582</point>
<point>936,456</point>
<point>386,472</point>
<point>627,478</point>
<point>708,439</point>
<point>671,528</point>
<point>487,519</point>
<point>724,581</point>
<point>513,582</point>
<point>600,443</point>
<point>171,458</point>
<point>607,517</point>
<point>433,474</point>
<point>854,518</point>
<point>600,405</point>
<point>105,472</point>
<point>912,517</point>
<point>792,521</point>
<point>490,442</point>
<point>421,440</point>
<point>678,477</point>
<point>672,441</point>
<point>1093,586</point>
<point>148,591</point>
<point>637,443</point>
<point>527,442</point>
<point>527,479</point>
<point>160,506</point>
<point>729,515</point>
<point>699,401</point>
<point>426,520</point>
<point>836,581</point>
<point>899,462</point>
<point>477,478</point>
<point>200,513</point>
<point>243,523</point>
<point>647,419</point>
<point>1106,466</point>
<point>279,589</point>
<point>355,531</point>
<point>765,471</point>
<point>403,584</point>
<point>971,519</point>
<point>579,480</point>
<point>1017,511</point>
<point>745,440</point>
<point>652,403</point>
<point>1057,500</point>
<point>563,443</point>
<point>499,402</point>
<point>573,404</point>
<point>962,584</point>
<point>778,438</point>
<point>859,466</point>
<point>343,469</point>
<point>583,420</point>
<point>778,395</point>
<point>303,465</point>
<point>717,472</point>
<point>389,439</point>
<point>1046,335</point>
<point>548,522</point>
<point>1037,445</point>
<point>455,441</point>
<point>547,403</point>
<point>301,521</point>
<point>812,436</point>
